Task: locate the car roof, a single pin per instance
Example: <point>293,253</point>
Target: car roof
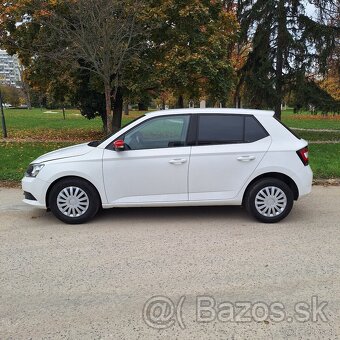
<point>212,111</point>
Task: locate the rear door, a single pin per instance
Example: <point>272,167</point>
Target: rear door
<point>227,151</point>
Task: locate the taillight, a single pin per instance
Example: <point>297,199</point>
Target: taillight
<point>303,154</point>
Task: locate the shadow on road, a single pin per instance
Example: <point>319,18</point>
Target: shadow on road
<point>173,213</point>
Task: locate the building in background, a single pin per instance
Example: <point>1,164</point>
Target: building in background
<point>9,69</point>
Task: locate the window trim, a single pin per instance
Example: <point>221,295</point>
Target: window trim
<point>190,115</point>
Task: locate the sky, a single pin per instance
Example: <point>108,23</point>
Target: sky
<point>310,10</point>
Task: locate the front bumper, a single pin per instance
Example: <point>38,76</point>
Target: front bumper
<point>37,188</point>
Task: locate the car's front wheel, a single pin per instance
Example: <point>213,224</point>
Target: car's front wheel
<point>74,201</point>
<point>269,200</point>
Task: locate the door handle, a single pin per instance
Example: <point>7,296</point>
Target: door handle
<point>246,158</point>
<point>178,161</point>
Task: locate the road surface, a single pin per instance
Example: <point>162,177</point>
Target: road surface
<point>166,273</point>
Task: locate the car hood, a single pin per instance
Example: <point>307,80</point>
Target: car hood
<point>71,151</point>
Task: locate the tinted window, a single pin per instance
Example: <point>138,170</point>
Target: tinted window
<point>253,130</point>
<point>160,132</point>
<point>220,129</point>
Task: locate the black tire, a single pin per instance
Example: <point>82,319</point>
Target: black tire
<point>280,198</point>
<point>88,203</point>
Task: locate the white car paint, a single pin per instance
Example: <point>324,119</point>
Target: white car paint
<point>210,164</point>
<point>188,175</point>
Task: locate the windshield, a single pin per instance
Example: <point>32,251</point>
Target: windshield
<point>97,142</point>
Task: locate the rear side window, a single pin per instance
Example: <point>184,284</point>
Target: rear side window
<point>220,129</point>
<point>228,129</point>
<point>253,130</point>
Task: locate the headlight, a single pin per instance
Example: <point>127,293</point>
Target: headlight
<point>34,169</point>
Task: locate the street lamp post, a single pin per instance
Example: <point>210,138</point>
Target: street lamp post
<point>3,122</point>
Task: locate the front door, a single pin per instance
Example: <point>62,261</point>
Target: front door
<point>154,166</point>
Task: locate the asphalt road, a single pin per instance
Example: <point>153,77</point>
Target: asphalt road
<point>93,281</point>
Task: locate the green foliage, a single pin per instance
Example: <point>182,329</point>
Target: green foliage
<point>309,93</point>
<point>287,46</point>
<point>188,50</point>
<point>11,95</point>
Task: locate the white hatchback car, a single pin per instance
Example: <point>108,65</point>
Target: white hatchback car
<point>177,158</point>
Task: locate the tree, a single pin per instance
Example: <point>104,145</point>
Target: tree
<point>96,35</point>
<point>11,95</point>
<point>287,45</point>
<point>189,48</point>
<point>25,87</point>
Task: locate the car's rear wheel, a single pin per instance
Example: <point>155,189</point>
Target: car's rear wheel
<point>74,201</point>
<point>269,200</point>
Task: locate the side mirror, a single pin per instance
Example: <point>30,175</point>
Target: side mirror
<point>119,145</point>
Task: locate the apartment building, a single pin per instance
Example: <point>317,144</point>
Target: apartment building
<point>9,69</point>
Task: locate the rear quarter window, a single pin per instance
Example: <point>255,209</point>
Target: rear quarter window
<point>253,130</point>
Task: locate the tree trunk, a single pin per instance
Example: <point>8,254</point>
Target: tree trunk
<point>180,102</point>
<point>142,107</point>
<point>28,98</point>
<point>126,108</point>
<point>104,120</point>
<point>279,58</point>
<point>117,110</point>
<point>237,95</point>
<point>108,108</point>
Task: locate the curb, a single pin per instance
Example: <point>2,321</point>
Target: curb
<point>327,182</point>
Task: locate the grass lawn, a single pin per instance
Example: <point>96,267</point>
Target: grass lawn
<point>45,125</point>
<point>15,157</point>
<point>307,121</point>
<point>311,136</point>
<point>325,160</point>
<point>55,132</point>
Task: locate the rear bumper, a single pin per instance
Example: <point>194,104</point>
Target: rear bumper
<point>35,191</point>
<point>305,181</point>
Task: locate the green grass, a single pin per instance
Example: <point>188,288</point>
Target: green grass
<point>311,136</point>
<point>36,119</point>
<point>48,127</point>
<point>305,120</point>
<point>40,119</point>
<point>325,160</point>
<point>15,157</point>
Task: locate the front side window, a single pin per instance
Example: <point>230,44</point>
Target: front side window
<point>160,132</point>
<point>220,129</point>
